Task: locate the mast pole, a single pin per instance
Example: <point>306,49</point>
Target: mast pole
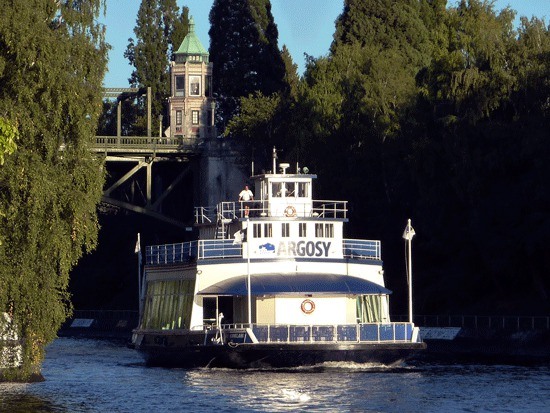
<point>410,274</point>
<point>248,271</point>
<point>138,252</point>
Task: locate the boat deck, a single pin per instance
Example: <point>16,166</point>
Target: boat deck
<point>185,252</point>
<point>360,333</point>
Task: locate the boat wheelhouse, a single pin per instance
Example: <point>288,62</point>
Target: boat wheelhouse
<point>271,282</point>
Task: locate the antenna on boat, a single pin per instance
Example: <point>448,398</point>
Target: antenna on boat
<point>408,235</point>
<point>274,160</point>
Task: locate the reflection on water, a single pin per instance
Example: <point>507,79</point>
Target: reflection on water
<point>99,376</point>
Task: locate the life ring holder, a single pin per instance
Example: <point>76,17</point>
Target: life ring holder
<point>307,306</point>
<point>290,211</point>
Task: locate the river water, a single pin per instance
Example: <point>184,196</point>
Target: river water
<point>85,375</point>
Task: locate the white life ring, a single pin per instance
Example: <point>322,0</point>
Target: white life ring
<point>308,306</point>
<point>290,211</point>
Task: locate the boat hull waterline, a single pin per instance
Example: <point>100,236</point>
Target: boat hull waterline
<point>185,351</point>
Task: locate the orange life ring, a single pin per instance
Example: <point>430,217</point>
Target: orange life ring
<point>290,211</point>
<point>308,306</point>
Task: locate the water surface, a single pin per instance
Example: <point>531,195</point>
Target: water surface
<point>100,376</point>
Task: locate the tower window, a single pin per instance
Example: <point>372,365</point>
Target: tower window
<point>180,86</point>
<point>195,117</point>
<point>179,117</point>
<point>194,85</point>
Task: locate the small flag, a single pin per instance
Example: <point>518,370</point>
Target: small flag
<point>138,245</point>
<point>409,233</point>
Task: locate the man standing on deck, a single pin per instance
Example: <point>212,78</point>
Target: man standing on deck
<point>246,196</point>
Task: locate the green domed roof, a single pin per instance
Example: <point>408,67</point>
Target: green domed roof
<point>191,45</point>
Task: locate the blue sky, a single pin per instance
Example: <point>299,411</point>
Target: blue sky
<point>305,26</point>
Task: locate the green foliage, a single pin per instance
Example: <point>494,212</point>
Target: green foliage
<point>180,30</point>
<point>257,118</point>
<point>54,59</point>
<point>8,136</point>
<point>158,27</point>
<point>243,47</point>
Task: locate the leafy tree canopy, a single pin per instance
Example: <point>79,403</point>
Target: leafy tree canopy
<point>243,47</point>
<point>52,61</point>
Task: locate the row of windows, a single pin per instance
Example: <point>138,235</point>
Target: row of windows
<point>195,85</point>
<point>266,230</point>
<point>288,189</point>
<point>195,117</point>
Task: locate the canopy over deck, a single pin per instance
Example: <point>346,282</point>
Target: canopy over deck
<point>277,283</point>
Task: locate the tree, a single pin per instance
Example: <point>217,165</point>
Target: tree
<point>52,61</point>
<point>243,47</point>
<point>8,138</point>
<point>157,28</point>
<point>180,30</point>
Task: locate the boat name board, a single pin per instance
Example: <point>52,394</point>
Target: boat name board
<point>296,249</point>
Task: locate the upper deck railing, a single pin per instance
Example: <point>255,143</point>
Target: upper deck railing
<point>186,252</point>
<point>230,211</point>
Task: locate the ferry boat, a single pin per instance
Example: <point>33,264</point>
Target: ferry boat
<point>270,283</point>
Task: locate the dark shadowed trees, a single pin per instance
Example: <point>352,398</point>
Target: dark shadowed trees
<point>243,47</point>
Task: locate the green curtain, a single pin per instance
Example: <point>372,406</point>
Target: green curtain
<point>372,308</point>
<point>168,304</point>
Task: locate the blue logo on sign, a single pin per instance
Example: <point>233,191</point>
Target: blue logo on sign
<point>267,248</point>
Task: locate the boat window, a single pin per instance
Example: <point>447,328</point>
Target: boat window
<point>319,230</point>
<point>303,189</point>
<point>276,189</point>
<point>257,230</point>
<point>290,188</point>
<point>372,309</point>
<point>302,230</point>
<point>168,304</point>
<point>268,231</point>
<point>324,230</point>
<point>285,229</point>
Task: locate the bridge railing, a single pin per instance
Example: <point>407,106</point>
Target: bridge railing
<point>145,144</point>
